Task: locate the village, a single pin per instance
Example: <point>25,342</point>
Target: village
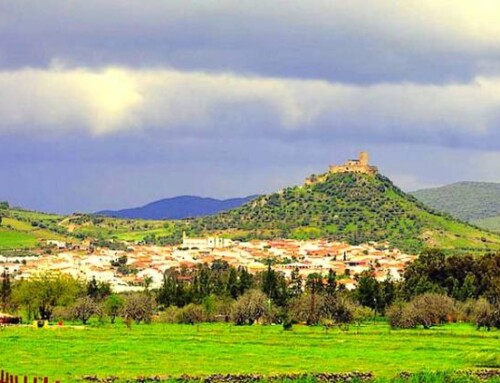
<point>143,266</point>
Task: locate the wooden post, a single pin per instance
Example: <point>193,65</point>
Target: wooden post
<point>25,380</point>
<point>16,379</point>
<point>45,380</point>
<point>35,380</point>
<point>12,379</point>
<point>1,376</point>
<point>6,377</point>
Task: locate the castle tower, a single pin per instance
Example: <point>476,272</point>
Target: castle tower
<point>364,158</point>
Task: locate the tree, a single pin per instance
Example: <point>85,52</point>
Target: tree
<point>401,315</point>
<point>361,314</point>
<point>426,274</point>
<point>432,309</point>
<point>138,307</point>
<point>426,310</point>
<point>190,314</point>
<point>306,308</point>
<point>486,315</point>
<point>40,294</point>
<point>331,283</point>
<point>168,290</point>
<point>232,283</point>
<point>113,306</point>
<point>314,285</point>
<point>295,283</point>
<point>84,308</point>
<point>5,290</point>
<point>245,279</point>
<point>387,294</point>
<point>250,307</point>
<point>338,308</point>
<point>98,290</point>
<point>367,292</point>
<point>270,280</point>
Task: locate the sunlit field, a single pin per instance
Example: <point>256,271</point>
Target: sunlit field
<point>160,349</point>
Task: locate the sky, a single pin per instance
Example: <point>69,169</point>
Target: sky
<point>113,104</point>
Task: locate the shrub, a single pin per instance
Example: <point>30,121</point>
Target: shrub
<point>190,314</point>
<point>426,310</point>
<point>62,313</point>
<point>401,315</point>
<point>433,309</point>
<point>169,315</point>
<point>485,314</point>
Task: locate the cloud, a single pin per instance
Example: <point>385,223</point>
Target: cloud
<point>59,100</point>
<point>116,100</point>
<point>355,41</point>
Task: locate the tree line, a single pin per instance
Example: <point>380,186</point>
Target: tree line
<point>435,289</point>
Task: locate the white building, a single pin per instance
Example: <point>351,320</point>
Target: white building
<point>205,243</point>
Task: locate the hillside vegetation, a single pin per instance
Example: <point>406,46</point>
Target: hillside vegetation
<point>467,201</point>
<point>348,207</point>
<point>21,229</point>
<point>345,206</point>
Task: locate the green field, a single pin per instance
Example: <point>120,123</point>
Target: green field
<point>19,234</point>
<point>12,239</point>
<point>162,349</point>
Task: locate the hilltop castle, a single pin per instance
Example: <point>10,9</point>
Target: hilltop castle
<point>360,165</point>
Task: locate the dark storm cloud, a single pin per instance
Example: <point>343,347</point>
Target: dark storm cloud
<point>342,41</point>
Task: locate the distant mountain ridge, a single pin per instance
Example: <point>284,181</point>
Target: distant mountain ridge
<point>474,202</point>
<point>467,201</point>
<point>178,208</point>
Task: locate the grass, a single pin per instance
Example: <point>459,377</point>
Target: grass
<point>457,235</point>
<point>11,239</point>
<point>161,349</point>
<point>18,234</point>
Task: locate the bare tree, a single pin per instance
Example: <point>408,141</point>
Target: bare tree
<point>84,308</point>
<point>250,307</point>
<point>138,307</point>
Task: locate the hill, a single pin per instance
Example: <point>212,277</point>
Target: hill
<point>351,207</point>
<point>343,206</point>
<point>177,208</point>
<point>21,229</point>
<point>492,223</point>
<point>467,201</point>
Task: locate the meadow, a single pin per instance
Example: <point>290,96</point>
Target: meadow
<point>19,234</point>
<point>67,353</point>
<point>11,239</point>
